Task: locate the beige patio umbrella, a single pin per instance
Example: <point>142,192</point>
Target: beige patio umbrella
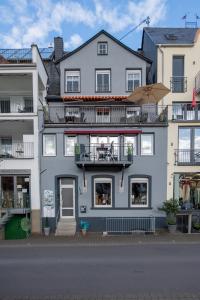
<point>147,94</point>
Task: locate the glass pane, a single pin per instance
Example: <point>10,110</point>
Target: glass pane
<point>130,85</point>
<point>70,142</point>
<point>197,144</point>
<point>67,197</point>
<point>102,193</point>
<point>147,144</point>
<point>7,191</point>
<point>184,145</point>
<point>184,138</point>
<point>178,66</point>
<point>67,181</point>
<point>129,140</point>
<point>22,192</point>
<point>139,193</point>
<point>67,212</point>
<point>49,145</point>
<point>6,146</point>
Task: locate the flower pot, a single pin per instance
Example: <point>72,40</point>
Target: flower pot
<point>84,231</point>
<point>46,231</point>
<point>172,228</point>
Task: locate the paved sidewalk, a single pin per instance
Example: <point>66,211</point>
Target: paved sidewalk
<point>99,239</point>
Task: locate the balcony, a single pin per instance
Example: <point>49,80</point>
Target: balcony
<point>107,114</point>
<point>185,112</point>
<point>20,150</point>
<point>16,104</point>
<point>190,157</point>
<point>104,155</point>
<point>178,84</point>
<point>197,83</point>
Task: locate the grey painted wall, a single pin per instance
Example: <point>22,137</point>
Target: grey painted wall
<point>150,51</point>
<point>118,59</point>
<point>154,166</point>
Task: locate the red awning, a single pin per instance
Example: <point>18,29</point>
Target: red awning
<point>103,131</point>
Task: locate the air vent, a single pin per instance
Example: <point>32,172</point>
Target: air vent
<point>171,36</point>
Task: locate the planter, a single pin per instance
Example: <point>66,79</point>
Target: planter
<point>84,231</point>
<point>46,231</point>
<point>172,228</point>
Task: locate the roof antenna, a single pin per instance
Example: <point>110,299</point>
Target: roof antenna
<point>190,24</point>
<point>147,21</point>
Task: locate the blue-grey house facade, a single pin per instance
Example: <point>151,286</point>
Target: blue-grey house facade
<point>102,156</point>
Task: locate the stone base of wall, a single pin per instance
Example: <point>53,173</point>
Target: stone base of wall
<point>35,221</point>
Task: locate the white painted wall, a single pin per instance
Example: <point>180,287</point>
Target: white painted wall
<point>164,72</point>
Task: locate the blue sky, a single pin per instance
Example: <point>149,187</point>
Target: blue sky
<point>23,22</point>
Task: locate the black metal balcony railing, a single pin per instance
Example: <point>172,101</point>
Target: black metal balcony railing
<point>17,150</point>
<point>8,107</point>
<point>187,156</point>
<point>178,84</point>
<point>185,112</point>
<point>109,114</point>
<point>108,153</point>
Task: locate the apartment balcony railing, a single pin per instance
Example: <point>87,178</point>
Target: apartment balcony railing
<point>185,112</point>
<point>109,114</point>
<point>17,150</point>
<point>104,155</point>
<point>7,107</point>
<point>197,83</point>
<point>187,156</point>
<point>178,84</point>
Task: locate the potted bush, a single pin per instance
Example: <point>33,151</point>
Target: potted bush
<point>130,152</point>
<point>77,152</point>
<point>46,227</point>
<point>170,207</point>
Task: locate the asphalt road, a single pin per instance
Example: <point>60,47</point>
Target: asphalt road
<point>94,271</point>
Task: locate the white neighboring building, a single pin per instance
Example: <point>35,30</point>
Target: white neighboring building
<point>23,81</point>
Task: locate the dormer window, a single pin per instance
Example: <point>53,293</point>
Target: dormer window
<point>102,48</point>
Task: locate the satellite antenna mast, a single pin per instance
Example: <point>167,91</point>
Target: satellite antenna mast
<point>147,21</point>
<point>190,24</point>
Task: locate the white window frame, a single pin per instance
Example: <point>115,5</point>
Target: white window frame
<point>126,143</point>
<point>133,72</point>
<point>102,180</point>
<point>102,51</point>
<point>75,142</point>
<point>103,118</point>
<point>44,144</point>
<point>152,144</point>
<point>139,180</point>
<point>72,73</point>
<point>104,72</point>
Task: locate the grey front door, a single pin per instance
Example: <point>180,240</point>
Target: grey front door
<point>67,198</point>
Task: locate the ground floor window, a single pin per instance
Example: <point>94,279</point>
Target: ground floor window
<point>15,191</point>
<point>102,192</point>
<point>187,190</point>
<point>139,192</point>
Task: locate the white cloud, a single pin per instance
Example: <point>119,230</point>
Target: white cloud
<point>36,19</point>
<point>74,41</point>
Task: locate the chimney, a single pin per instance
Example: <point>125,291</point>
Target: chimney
<point>58,47</point>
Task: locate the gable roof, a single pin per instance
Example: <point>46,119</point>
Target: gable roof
<point>112,38</point>
<point>172,36</point>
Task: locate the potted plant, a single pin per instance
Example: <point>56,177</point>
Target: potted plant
<point>170,207</point>
<point>84,227</point>
<point>46,227</point>
<point>77,152</point>
<point>130,152</point>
